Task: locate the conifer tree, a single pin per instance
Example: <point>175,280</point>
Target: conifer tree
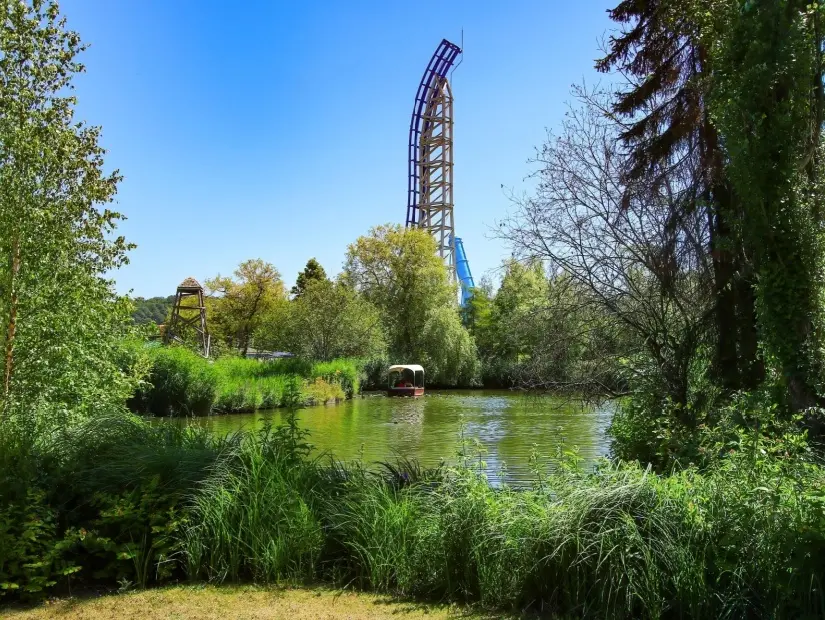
<point>670,134</point>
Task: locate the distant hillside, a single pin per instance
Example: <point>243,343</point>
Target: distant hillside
<point>152,310</point>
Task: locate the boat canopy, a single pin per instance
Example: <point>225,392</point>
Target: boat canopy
<point>400,367</point>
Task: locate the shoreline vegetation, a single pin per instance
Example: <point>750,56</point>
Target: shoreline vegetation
<point>179,382</point>
<point>169,505</point>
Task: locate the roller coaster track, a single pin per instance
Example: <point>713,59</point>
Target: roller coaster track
<point>430,189</point>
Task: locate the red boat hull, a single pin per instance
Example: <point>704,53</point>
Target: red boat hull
<point>405,391</point>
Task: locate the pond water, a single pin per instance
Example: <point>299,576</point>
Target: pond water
<point>505,425</point>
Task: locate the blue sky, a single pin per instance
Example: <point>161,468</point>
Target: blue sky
<point>278,130</point>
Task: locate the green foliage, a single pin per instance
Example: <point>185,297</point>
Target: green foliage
<point>768,103</point>
<point>136,536</point>
<point>152,310</point>
<point>238,306</point>
<point>181,383</point>
<point>539,331</point>
<point>516,309</point>
<point>61,319</point>
<point>449,354</point>
<point>742,537</point>
<point>250,520</point>
<point>313,272</point>
<point>621,542</point>
<point>342,372</point>
<point>399,271</point>
<point>327,320</point>
<point>374,372</point>
<point>33,558</point>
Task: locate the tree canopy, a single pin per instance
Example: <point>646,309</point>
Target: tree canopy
<point>398,270</point>
<point>62,321</point>
<point>240,304</point>
<point>152,310</point>
<point>326,321</point>
<point>313,272</point>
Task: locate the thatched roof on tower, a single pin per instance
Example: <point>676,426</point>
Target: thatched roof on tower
<point>190,283</point>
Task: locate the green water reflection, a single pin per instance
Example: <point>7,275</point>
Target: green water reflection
<point>428,429</point>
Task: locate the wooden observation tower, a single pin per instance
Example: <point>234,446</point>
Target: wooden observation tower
<point>188,313</point>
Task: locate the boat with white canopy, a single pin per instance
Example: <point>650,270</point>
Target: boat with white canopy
<point>405,380</point>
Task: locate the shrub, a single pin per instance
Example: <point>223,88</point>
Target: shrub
<point>321,391</point>
<point>33,555</point>
<point>180,382</point>
<point>343,372</point>
<point>374,372</point>
<point>497,372</point>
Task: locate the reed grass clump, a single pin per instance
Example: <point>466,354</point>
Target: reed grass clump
<point>737,540</point>
<point>250,520</point>
<point>182,383</point>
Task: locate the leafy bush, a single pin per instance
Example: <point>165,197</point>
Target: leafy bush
<point>33,556</point>
<point>321,391</point>
<point>343,372</point>
<point>136,536</point>
<point>180,382</point>
<point>374,372</point>
<point>501,373</point>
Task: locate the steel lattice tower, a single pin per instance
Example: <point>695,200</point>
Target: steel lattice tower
<point>430,190</point>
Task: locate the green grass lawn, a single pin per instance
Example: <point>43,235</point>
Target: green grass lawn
<point>225,603</point>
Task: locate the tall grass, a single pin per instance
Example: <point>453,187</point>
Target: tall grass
<point>343,372</point>
<point>182,383</point>
<point>251,521</point>
<point>745,539</point>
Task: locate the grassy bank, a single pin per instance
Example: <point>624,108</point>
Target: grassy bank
<point>742,538</point>
<point>217,603</point>
<point>181,383</point>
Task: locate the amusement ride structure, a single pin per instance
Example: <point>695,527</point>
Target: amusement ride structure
<point>430,190</point>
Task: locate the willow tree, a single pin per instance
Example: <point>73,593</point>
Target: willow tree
<point>399,271</point>
<point>60,317</point>
<point>767,102</point>
<point>327,320</point>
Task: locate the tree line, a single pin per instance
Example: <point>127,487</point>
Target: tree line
<point>393,301</point>
<point>684,205</point>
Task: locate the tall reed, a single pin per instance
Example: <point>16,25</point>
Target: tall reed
<point>182,383</point>
<point>619,543</point>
